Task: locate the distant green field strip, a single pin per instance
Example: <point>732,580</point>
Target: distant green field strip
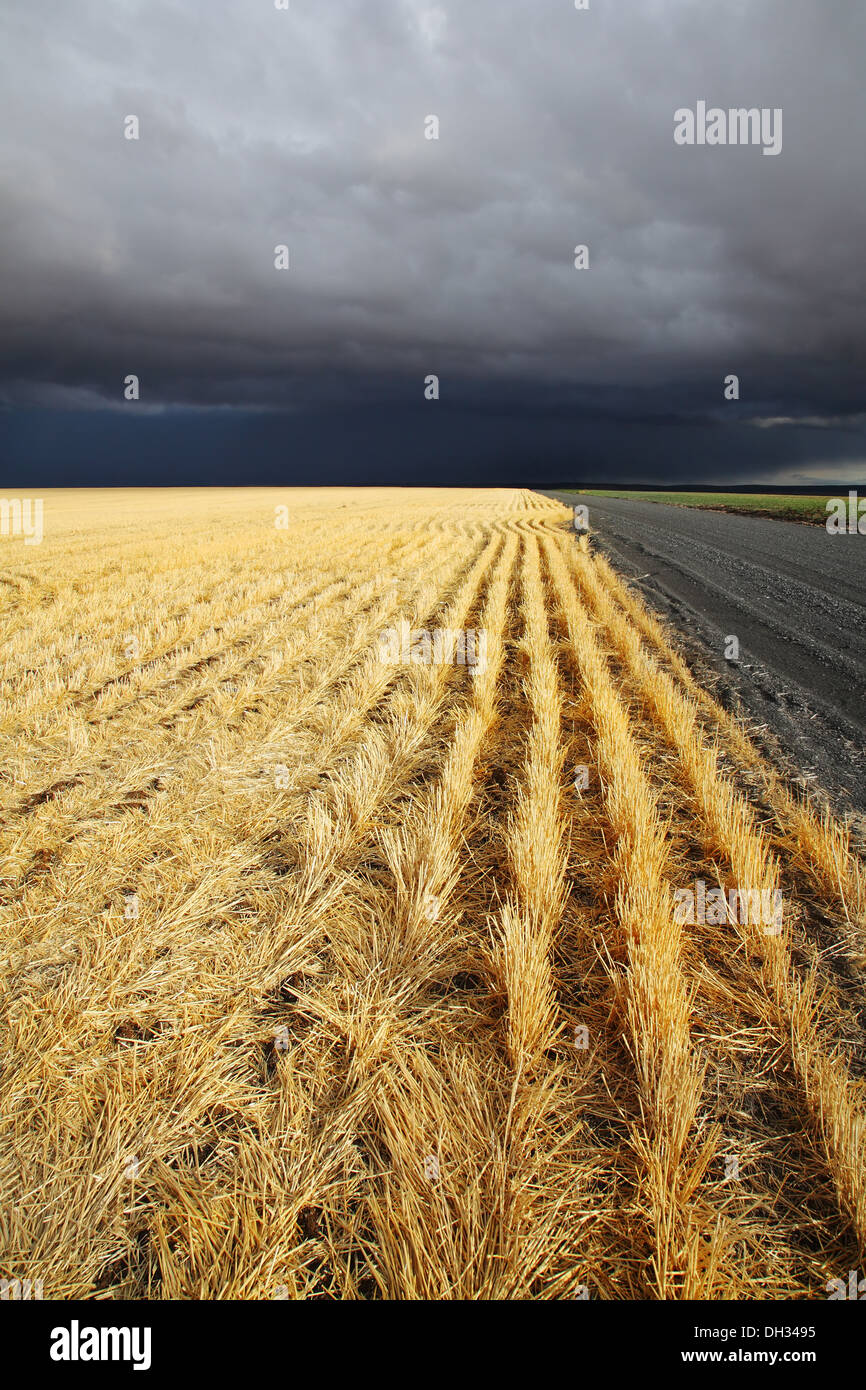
<point>785,507</point>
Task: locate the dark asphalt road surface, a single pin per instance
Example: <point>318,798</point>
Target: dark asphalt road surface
<point>793,594</point>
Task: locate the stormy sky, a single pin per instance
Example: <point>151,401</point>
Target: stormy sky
<point>408,256</point>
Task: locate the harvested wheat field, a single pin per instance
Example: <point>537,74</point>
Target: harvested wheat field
<point>346,965</point>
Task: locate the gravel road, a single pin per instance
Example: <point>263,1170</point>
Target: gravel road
<point>793,594</point>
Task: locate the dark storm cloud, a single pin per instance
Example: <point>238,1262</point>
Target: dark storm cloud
<point>454,256</point>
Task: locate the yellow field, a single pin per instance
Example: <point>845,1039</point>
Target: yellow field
<point>325,975</point>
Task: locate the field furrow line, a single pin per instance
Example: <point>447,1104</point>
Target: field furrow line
<point>821,845</point>
<point>424,1245</point>
<point>542,1192</point>
<point>834,1100</point>
<point>674,1156</point>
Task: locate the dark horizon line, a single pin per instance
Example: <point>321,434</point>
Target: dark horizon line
<point>831,489</point>
<point>771,489</point>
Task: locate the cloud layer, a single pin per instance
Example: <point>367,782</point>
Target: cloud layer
<point>454,256</point>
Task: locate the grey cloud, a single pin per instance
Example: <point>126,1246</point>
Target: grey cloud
<point>261,127</point>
